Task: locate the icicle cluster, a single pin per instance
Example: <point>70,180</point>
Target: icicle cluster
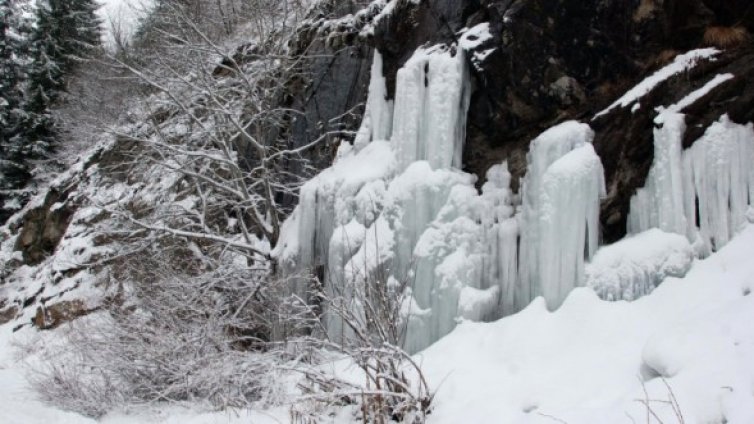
<point>395,208</point>
<point>704,192</point>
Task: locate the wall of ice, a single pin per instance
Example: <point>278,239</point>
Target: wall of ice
<point>396,208</point>
<point>704,192</point>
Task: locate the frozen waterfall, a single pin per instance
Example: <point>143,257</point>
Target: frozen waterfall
<point>395,208</point>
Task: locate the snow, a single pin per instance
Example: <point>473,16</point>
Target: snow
<point>589,361</point>
<point>634,266</point>
<point>693,96</point>
<point>474,37</point>
<point>682,63</point>
<point>22,406</point>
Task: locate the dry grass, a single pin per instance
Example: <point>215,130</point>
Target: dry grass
<point>726,37</point>
<point>645,10</point>
<point>664,58</point>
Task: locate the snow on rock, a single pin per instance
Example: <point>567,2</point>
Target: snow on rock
<point>474,37</point>
<point>681,63</point>
<point>633,267</point>
<point>704,192</point>
<point>693,96</point>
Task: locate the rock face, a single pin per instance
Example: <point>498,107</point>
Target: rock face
<point>568,59</point>
<point>43,227</point>
<point>50,317</point>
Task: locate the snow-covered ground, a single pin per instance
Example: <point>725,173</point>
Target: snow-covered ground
<point>588,362</point>
<point>19,404</point>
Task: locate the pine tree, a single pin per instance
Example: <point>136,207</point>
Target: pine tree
<point>13,171</point>
<point>67,34</point>
<point>44,86</point>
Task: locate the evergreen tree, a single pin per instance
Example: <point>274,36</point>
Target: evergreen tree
<point>13,171</point>
<point>67,34</point>
<point>45,84</point>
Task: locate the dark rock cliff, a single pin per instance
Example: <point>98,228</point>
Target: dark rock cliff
<point>556,60</point>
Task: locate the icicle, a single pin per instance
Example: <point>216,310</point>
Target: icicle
<point>569,221</point>
<point>543,152</point>
<point>432,98</point>
<point>378,114</point>
<point>721,163</point>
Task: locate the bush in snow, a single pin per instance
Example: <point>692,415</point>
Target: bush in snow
<point>179,326</point>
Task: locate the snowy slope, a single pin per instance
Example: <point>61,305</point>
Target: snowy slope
<point>586,362</point>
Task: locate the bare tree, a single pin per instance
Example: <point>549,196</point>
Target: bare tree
<point>222,128</point>
<point>373,312</point>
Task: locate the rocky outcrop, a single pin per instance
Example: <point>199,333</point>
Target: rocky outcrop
<point>53,316</point>
<point>43,227</point>
<point>559,60</point>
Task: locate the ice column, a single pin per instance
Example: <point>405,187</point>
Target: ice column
<point>431,103</point>
<point>569,221</point>
<point>721,164</point>
<point>541,201</point>
<point>660,204</point>
<point>377,123</point>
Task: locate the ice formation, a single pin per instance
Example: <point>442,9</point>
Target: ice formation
<point>560,212</point>
<point>704,192</point>
<point>432,97</point>
<point>395,208</point>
